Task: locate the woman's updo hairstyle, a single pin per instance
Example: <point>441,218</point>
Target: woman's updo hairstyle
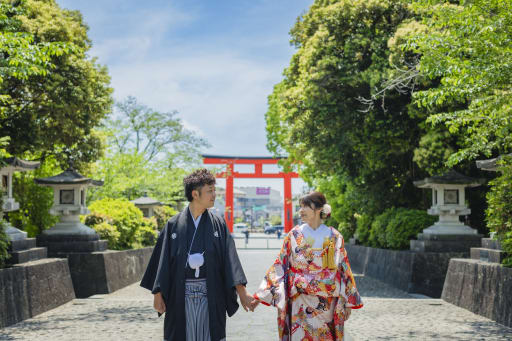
<point>316,200</point>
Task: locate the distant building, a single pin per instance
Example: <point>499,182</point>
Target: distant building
<point>220,201</point>
<point>251,203</point>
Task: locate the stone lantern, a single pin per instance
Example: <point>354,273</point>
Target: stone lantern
<point>147,205</point>
<point>490,164</point>
<point>448,202</point>
<point>13,164</point>
<point>69,202</point>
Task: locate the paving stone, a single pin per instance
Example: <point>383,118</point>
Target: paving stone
<point>388,314</point>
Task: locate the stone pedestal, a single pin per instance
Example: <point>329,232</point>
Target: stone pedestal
<point>59,245</point>
<point>428,242</point>
<point>490,251</point>
<point>70,225</point>
<point>14,233</point>
<point>449,224</point>
<point>25,250</point>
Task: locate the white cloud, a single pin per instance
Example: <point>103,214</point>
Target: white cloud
<point>219,82</point>
<point>221,95</point>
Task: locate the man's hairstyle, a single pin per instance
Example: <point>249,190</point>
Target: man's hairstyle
<point>196,180</point>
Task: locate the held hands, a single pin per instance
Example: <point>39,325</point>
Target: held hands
<point>248,302</point>
<point>158,303</point>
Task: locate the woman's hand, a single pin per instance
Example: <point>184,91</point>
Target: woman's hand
<point>348,311</point>
<point>158,303</point>
<point>254,303</point>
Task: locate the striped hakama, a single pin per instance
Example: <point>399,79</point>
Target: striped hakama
<point>196,311</point>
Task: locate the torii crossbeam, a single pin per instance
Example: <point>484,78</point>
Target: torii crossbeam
<point>258,163</point>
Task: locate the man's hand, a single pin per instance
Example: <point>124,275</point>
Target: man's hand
<point>158,303</point>
<point>348,311</point>
<point>246,299</point>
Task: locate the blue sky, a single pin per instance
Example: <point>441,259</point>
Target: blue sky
<point>215,62</point>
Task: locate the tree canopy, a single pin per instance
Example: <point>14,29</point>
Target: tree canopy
<point>148,152</point>
<point>468,50</point>
<point>382,93</point>
<point>54,94</point>
<point>316,115</point>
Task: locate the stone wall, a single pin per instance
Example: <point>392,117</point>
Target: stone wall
<point>106,271</point>
<point>414,272</point>
<point>481,287</point>
<point>32,288</point>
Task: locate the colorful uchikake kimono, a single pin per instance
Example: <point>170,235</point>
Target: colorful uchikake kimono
<point>310,287</point>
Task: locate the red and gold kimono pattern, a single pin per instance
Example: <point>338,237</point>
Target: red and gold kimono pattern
<point>310,287</point>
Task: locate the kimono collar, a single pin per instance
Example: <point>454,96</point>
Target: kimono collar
<point>198,220</point>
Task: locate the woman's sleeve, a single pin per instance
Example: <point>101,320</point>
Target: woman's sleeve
<point>348,284</point>
<point>272,290</point>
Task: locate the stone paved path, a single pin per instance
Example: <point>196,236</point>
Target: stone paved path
<point>389,314</point>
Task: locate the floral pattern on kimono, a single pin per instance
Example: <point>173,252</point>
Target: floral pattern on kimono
<point>310,288</point>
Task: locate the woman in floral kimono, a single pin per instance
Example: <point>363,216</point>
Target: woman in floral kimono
<point>311,283</point>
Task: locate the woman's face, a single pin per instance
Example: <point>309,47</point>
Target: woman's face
<point>308,214</point>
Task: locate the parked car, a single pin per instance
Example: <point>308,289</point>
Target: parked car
<point>273,229</point>
<point>240,227</point>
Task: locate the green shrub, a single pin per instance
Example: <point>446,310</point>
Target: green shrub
<point>123,215</point>
<point>404,225</point>
<point>347,230</point>
<point>109,233</point>
<point>4,244</point>
<point>147,233</point>
<point>95,219</point>
<point>162,214</point>
<point>499,210</point>
<point>364,224</point>
<point>377,236</point>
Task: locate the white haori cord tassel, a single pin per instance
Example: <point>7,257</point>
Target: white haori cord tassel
<point>195,261</point>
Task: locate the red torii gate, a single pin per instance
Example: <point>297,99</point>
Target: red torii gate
<point>258,163</point>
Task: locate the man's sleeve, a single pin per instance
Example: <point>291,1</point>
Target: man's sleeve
<point>233,267</point>
<point>149,280</point>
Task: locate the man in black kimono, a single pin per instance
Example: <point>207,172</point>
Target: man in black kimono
<point>194,271</point>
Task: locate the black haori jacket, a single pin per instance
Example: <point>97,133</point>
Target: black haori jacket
<point>166,273</point>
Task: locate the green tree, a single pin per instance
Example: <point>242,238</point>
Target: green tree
<point>35,201</point>
<point>318,117</point>
<point>499,212</point>
<point>56,96</point>
<point>22,56</point>
<point>275,220</point>
<point>4,242</point>
<point>138,129</point>
<point>130,176</point>
<point>464,50</point>
<point>149,151</point>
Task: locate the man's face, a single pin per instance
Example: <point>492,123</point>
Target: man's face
<point>205,196</point>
